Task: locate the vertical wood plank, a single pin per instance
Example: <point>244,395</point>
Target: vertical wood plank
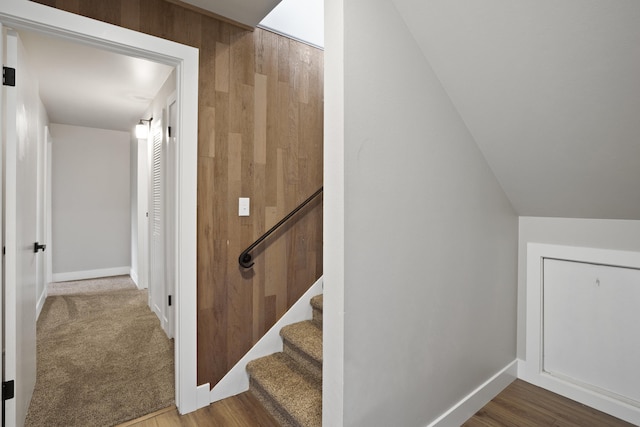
<point>260,114</point>
<point>207,132</point>
<point>205,224</point>
<point>108,11</point>
<point>130,14</point>
<point>187,26</point>
<point>222,64</point>
<point>235,166</point>
<point>72,6</point>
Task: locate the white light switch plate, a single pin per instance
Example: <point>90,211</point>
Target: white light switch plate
<point>243,206</point>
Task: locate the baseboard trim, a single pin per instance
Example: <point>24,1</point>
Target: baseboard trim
<point>202,398</point>
<point>134,277</point>
<point>474,401</point>
<point>237,380</point>
<point>40,303</point>
<point>91,274</point>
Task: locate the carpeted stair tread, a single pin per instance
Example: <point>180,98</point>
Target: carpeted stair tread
<point>302,341</point>
<point>296,394</point>
<point>306,337</point>
<point>316,304</point>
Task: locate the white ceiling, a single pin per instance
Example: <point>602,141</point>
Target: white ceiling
<point>550,90</point>
<point>85,86</point>
<point>248,12</point>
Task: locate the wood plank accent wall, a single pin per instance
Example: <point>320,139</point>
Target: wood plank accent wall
<point>259,136</point>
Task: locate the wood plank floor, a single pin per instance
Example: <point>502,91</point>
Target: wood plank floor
<point>242,410</point>
<point>522,405</point>
<point>519,405</point>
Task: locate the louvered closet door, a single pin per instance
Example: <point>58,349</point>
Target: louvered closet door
<point>156,224</point>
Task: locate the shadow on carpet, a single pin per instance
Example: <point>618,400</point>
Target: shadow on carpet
<point>102,359</point>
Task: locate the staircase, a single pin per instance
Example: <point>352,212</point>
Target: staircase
<point>289,383</point>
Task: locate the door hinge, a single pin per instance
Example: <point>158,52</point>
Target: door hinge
<point>8,76</point>
<point>169,131</point>
<point>169,300</point>
<point>8,390</point>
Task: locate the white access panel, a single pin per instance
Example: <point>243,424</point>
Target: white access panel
<point>591,323</point>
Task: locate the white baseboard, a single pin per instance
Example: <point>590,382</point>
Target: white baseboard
<point>91,274</point>
<point>592,398</point>
<point>134,277</point>
<point>472,403</point>
<point>40,303</point>
<point>237,380</point>
<point>202,398</point>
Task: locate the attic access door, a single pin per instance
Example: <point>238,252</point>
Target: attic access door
<point>590,321</point>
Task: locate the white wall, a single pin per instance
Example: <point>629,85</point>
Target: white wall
<point>592,233</point>
<point>430,240</point>
<point>90,202</point>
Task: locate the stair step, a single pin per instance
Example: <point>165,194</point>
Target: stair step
<point>303,343</point>
<point>292,395</point>
<point>316,304</point>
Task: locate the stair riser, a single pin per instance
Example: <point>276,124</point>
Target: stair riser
<point>317,317</point>
<point>305,360</point>
<point>276,411</point>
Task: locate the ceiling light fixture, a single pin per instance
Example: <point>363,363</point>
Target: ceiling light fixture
<point>142,129</point>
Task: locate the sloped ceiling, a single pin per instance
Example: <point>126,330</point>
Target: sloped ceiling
<point>248,12</point>
<point>550,90</point>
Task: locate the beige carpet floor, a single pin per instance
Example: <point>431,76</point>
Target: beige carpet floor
<point>102,356</point>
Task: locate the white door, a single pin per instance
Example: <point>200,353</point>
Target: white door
<point>20,136</point>
<point>41,224</point>
<point>157,281</point>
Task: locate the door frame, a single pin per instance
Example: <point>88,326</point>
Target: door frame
<point>171,207</point>
<point>24,14</point>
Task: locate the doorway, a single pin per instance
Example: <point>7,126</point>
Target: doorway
<point>31,16</point>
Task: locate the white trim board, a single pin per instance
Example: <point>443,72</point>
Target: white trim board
<point>41,300</point>
<point>237,380</point>
<point>134,276</point>
<point>91,274</point>
<point>23,14</point>
<point>478,398</point>
<point>531,369</point>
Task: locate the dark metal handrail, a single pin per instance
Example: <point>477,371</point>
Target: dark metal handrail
<point>245,257</point>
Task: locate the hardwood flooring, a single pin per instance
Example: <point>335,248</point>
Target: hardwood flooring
<point>524,405</point>
<point>242,410</point>
<point>519,405</point>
